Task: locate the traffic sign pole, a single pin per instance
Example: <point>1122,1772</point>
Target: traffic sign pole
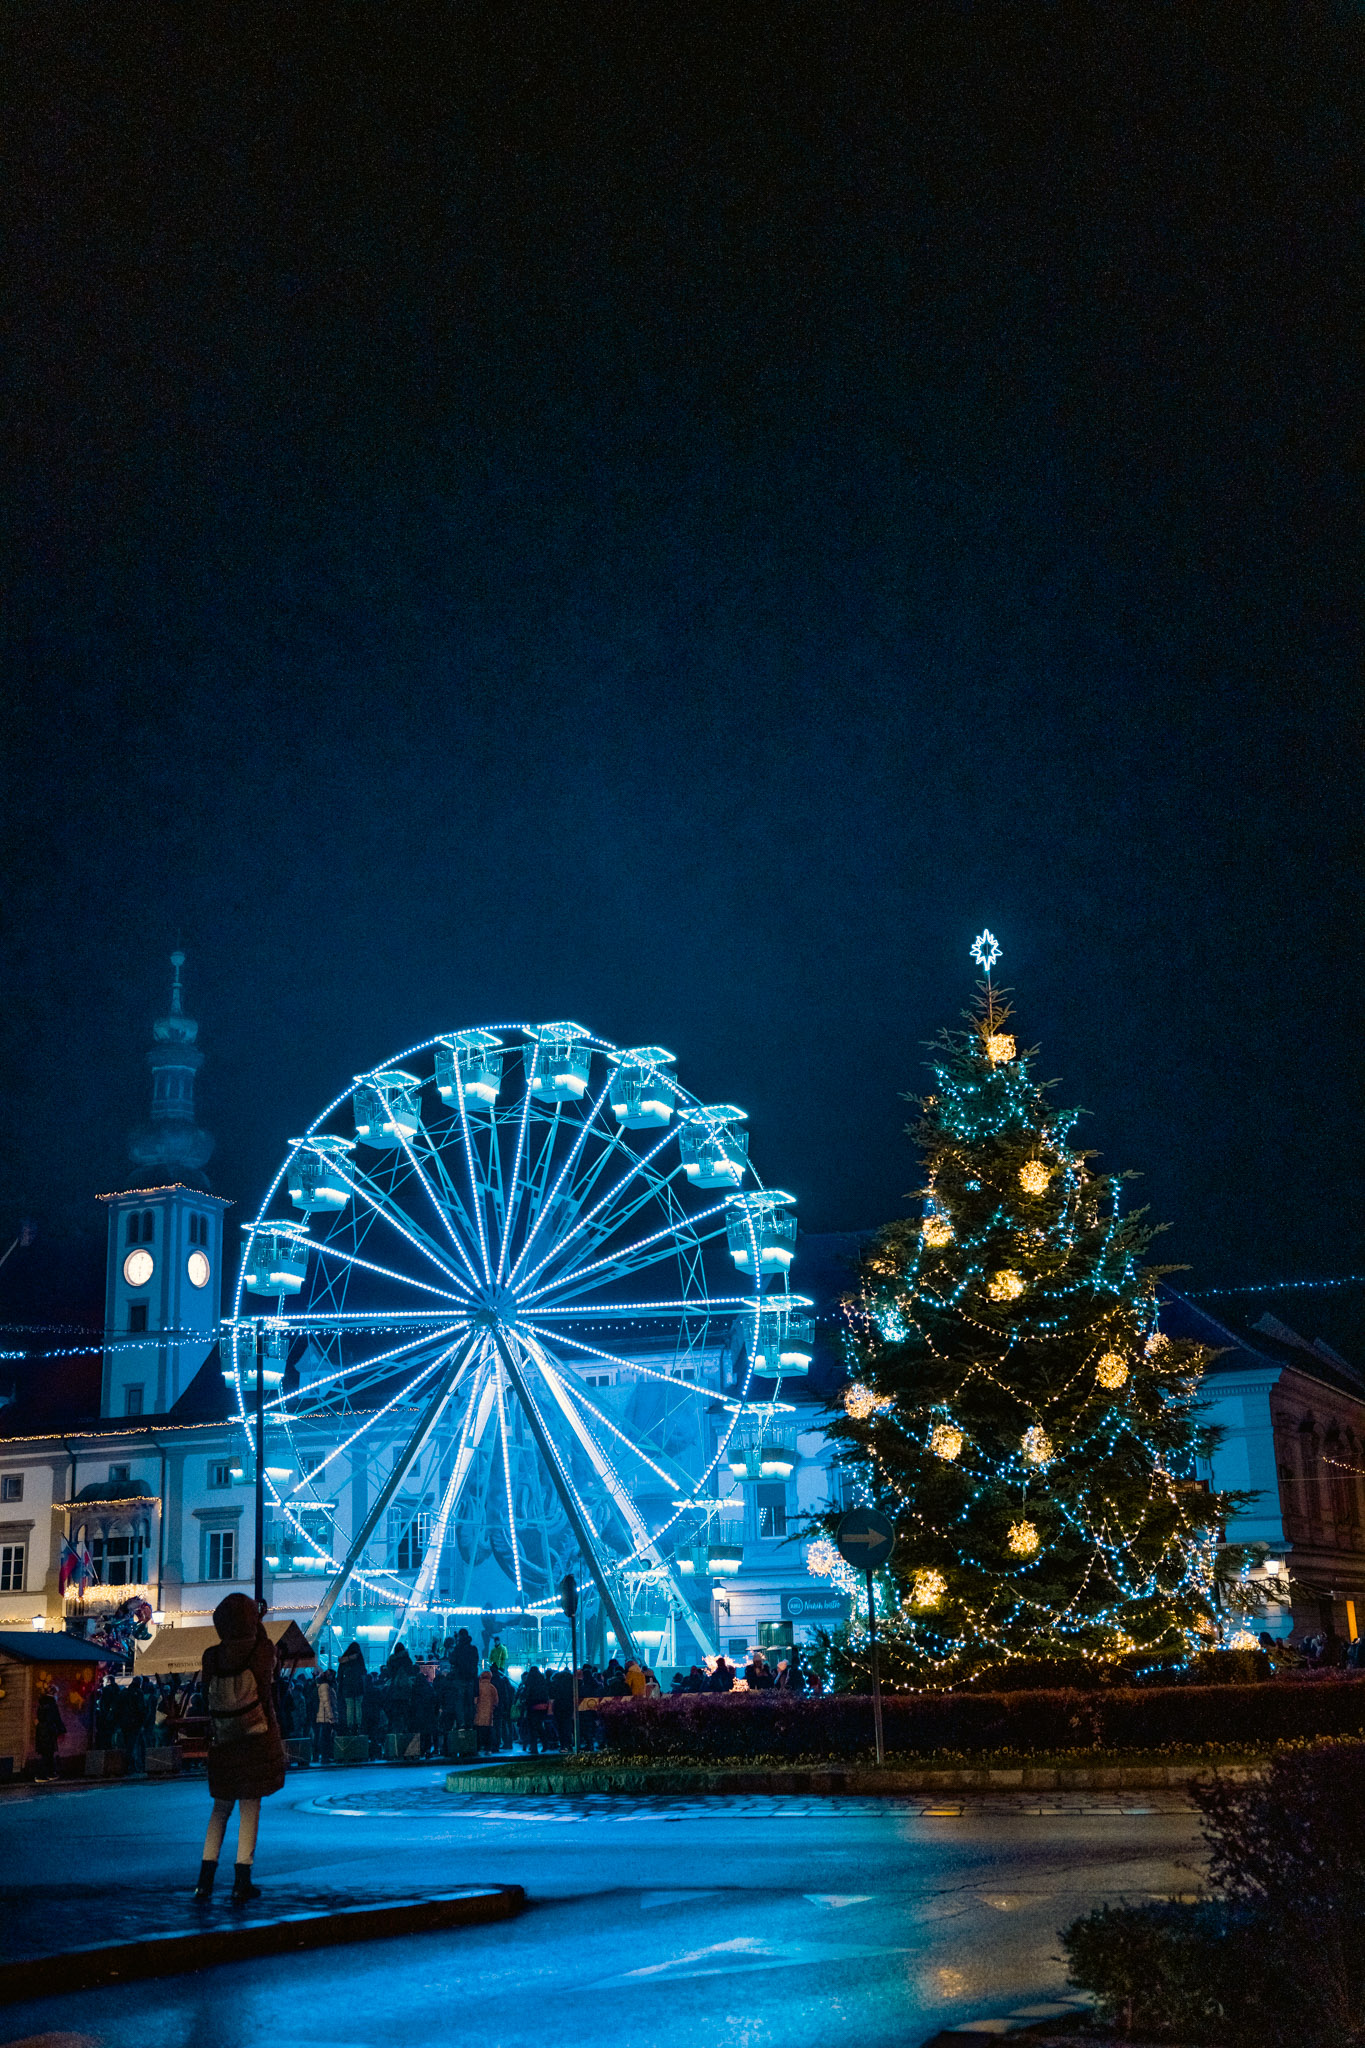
<point>866,1538</point>
<point>876,1672</point>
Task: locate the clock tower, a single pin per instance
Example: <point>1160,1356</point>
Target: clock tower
<point>163,1286</point>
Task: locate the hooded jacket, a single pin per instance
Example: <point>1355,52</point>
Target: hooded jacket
<point>246,1754</point>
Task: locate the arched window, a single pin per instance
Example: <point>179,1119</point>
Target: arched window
<point>148,1225</point>
<point>134,1230</point>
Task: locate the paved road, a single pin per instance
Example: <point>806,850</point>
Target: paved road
<point>828,1922</point>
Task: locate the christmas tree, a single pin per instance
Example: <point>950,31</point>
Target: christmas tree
<point>1015,1408</point>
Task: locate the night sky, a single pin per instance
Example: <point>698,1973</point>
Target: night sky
<point>678,518</point>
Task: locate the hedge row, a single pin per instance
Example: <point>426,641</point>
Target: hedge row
<point>718,1725</point>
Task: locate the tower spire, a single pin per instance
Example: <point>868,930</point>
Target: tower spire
<point>173,1140</point>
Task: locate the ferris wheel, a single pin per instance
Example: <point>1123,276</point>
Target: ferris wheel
<point>511,1261</point>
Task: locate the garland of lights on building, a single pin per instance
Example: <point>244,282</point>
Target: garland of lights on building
<point>1015,1407</point>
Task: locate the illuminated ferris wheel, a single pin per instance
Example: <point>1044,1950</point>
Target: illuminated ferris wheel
<point>488,1330</point>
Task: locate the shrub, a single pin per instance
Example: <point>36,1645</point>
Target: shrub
<point>715,1726</point>
<point>1288,1856</point>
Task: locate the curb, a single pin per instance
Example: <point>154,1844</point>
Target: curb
<point>862,1781</point>
<point>200,1948</point>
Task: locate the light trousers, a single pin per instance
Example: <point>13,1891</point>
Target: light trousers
<point>248,1821</point>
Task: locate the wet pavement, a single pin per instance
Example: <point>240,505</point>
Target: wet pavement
<point>789,1920</point>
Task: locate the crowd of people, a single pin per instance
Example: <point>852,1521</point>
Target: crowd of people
<point>452,1701</point>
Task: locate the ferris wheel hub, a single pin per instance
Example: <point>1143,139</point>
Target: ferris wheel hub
<point>495,1307</point>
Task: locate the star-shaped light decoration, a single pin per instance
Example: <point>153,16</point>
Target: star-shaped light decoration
<point>986,951</point>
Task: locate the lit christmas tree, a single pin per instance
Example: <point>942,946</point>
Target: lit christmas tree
<point>1016,1408</point>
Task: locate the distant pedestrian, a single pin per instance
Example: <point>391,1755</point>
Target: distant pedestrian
<point>325,1717</point>
<point>723,1677</point>
<point>497,1656</point>
<point>351,1686</point>
<point>47,1733</point>
<point>485,1709</point>
<point>464,1670</point>
<point>246,1755</point>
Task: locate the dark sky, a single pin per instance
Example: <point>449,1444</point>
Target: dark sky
<point>677,518</point>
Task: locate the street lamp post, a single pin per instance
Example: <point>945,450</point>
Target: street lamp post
<point>260,1470</point>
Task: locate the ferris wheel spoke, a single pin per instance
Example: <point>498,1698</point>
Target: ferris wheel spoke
<point>334,1251</point>
<point>705,1309</point>
<point>477,1186</point>
<point>420,1598</point>
<point>512,1537</point>
<point>645,1545</point>
<point>660,1244</point>
<point>377,1415</point>
<point>441,1210</point>
<point>446,1381</point>
<point>562,1480</point>
<point>561,1336</point>
<point>384,1206</point>
<point>542,1206</point>
<point>339,1376</point>
<point>594,1217</point>
<point>570,1381</point>
<point>514,1178</point>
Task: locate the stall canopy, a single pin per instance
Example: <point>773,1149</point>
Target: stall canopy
<point>181,1650</point>
<point>46,1646</point>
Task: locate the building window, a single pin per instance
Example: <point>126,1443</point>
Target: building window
<point>119,1560</point>
<point>199,1228</point>
<point>11,1567</point>
<point>134,1230</point>
<point>220,1554</point>
<point>119,1475</point>
<point>771,1502</point>
<point>409,1534</point>
<point>132,1400</point>
<point>12,1486</point>
<point>220,1473</point>
<point>137,1316</point>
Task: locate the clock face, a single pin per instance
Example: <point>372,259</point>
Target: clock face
<point>138,1268</point>
<point>197,1266</point>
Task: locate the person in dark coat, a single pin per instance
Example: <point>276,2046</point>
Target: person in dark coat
<point>464,1670</point>
<point>535,1702</point>
<point>561,1698</point>
<point>246,1754</point>
<point>351,1686</point>
<point>47,1733</point>
<point>723,1677</point>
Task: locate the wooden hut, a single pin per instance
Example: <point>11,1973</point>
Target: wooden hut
<point>31,1660</point>
<point>181,1650</point>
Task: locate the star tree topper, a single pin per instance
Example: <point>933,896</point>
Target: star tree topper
<point>986,951</point>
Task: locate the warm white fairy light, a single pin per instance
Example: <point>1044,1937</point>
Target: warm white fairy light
<point>936,1232</point>
<point>860,1401</point>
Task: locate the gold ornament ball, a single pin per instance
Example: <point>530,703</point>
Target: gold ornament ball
<point>1112,1371</point>
<point>999,1048</point>
<point>927,1588</point>
<point>861,1401</point>
<point>1037,1445</point>
<point>822,1557</point>
<point>1243,1639</point>
<point>1034,1177</point>
<point>945,1440</point>
<point>1023,1538</point>
<point>936,1232</point>
<point>1005,1286</point>
<point>1156,1343</point>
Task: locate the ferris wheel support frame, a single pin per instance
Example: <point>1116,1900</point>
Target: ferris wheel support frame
<point>577,1520</point>
<point>401,1465</point>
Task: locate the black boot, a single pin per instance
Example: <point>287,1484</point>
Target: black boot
<point>203,1891</point>
<point>242,1887</point>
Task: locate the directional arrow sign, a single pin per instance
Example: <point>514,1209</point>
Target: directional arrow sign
<point>865,1539</point>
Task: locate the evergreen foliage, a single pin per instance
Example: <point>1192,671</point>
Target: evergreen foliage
<point>1015,1406</point>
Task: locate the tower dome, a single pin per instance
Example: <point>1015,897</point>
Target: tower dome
<point>173,1140</point>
